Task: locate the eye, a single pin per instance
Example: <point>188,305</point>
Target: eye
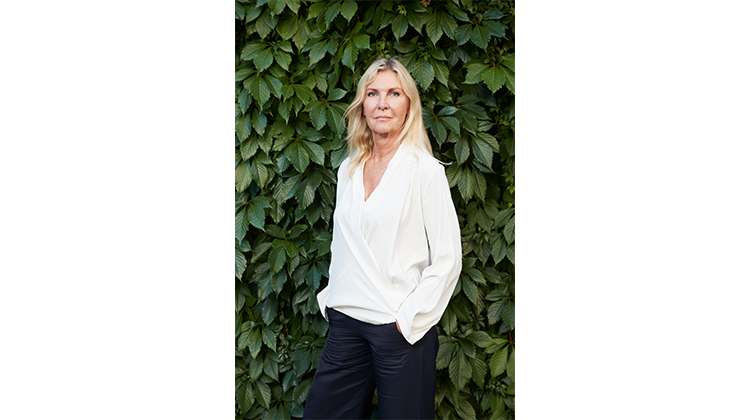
<point>370,93</point>
<point>395,94</point>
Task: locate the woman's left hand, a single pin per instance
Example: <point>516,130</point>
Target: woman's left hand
<point>399,328</point>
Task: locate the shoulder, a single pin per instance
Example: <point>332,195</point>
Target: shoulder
<point>344,168</point>
<point>428,165</point>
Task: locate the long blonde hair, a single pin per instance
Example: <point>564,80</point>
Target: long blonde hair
<point>359,135</point>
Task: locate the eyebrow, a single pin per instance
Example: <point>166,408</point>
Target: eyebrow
<point>389,89</point>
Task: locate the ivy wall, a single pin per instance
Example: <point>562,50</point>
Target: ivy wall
<point>297,66</point>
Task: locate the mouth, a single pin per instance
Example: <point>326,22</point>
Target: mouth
<point>383,117</point>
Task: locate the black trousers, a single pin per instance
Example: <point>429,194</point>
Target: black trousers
<point>360,357</point>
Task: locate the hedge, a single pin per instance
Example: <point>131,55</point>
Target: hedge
<point>297,64</point>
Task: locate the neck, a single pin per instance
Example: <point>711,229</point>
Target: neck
<point>384,147</point>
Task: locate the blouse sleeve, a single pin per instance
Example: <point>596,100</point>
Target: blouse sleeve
<point>322,296</point>
<point>423,308</point>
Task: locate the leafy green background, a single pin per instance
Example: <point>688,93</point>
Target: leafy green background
<point>297,65</point>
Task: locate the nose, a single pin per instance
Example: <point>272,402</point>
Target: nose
<point>382,102</point>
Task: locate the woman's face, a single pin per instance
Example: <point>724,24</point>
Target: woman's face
<point>385,105</point>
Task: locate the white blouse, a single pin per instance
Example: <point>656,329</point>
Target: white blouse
<point>396,256</point>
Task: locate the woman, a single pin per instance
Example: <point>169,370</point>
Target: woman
<point>396,257</point>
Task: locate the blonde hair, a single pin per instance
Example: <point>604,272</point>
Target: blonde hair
<point>359,136</point>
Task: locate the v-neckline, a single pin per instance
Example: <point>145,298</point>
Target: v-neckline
<point>382,178</point>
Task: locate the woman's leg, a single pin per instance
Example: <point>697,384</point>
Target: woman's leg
<point>344,380</point>
<point>404,373</point>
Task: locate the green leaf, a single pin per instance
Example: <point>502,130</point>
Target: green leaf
<point>240,263</point>
<point>248,396</point>
<point>503,217</point>
<point>362,41</point>
<point>350,55</point>
<point>335,117</point>
<point>239,11</point>
<point>252,12</point>
<point>433,29</point>
<point>448,24</point>
<point>259,89</point>
<point>445,353</point>
<point>416,20</point>
<point>284,59</point>
<point>242,177</point>
<point>466,184</point>
<point>494,77</point>
<point>465,410</point>
<point>348,9</point>
<point>276,259</point>
<point>288,28</point>
<point>499,248</point>
<point>297,154</point>
<point>461,149</point>
<point>265,24</point>
<point>463,34</point>
<point>315,10</point>
<point>510,79</point>
<point>244,340</point>
<point>510,230</point>
<point>304,93</point>
<point>274,83</point>
<point>336,94</point>
<point>481,189</point>
<point>317,52</point>
<point>252,48</point>
<point>301,359</point>
<point>452,123</point>
<point>269,338</point>
<point>470,289</point>
<point>459,370</point>
<point>480,36</point>
<point>302,390</point>
<point>241,225</point>
<point>512,253</point>
<point>317,114</point>
<point>293,5</point>
<point>438,129</point>
<point>254,212</point>
<point>496,28</point>
<point>423,73</point>
<point>259,122</point>
<point>441,71</point>
<point>492,14</point>
<point>446,111</point>
<point>458,13</point>
<point>332,12</point>
<point>399,25</point>
<point>242,74</point>
<point>493,312</point>
<point>245,100</point>
<point>276,6</point>
<point>475,275</point>
<point>480,338</point>
<point>498,362</point>
<point>474,72</point>
<point>507,313</point>
<point>265,393</point>
<point>254,343</point>
<point>511,365</point>
<point>315,152</point>
<point>479,370</point>
<point>305,195</point>
<point>482,151</point>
